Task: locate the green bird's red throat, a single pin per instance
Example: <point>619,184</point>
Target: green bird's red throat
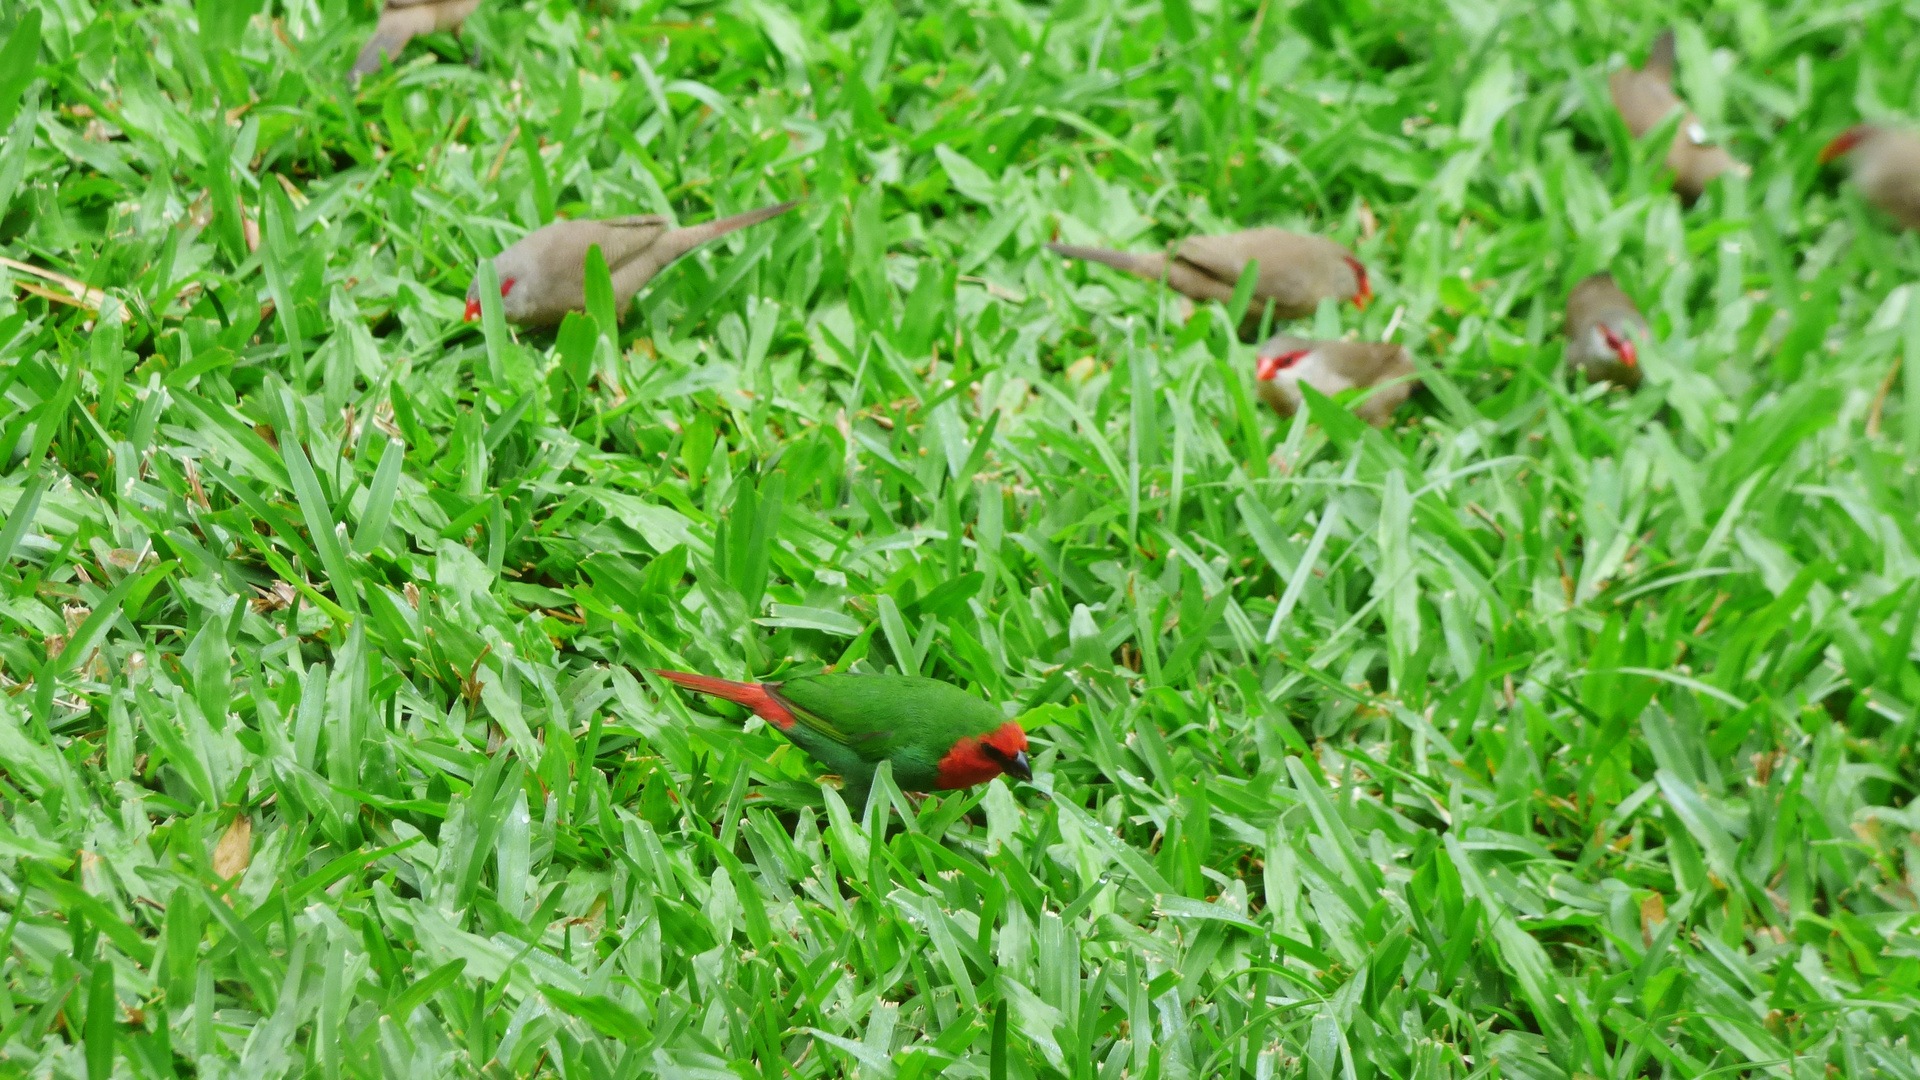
<point>976,761</point>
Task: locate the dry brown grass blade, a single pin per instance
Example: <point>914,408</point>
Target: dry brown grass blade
<point>78,294</point>
<point>235,850</point>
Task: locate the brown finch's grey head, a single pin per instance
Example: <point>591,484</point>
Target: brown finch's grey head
<point>1618,343</point>
<point>515,272</point>
<point>1269,366</point>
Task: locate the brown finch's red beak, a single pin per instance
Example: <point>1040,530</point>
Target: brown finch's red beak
<point>1269,366</point>
<point>473,305</point>
<point>1363,292</point>
<point>1842,144</point>
<point>1628,354</point>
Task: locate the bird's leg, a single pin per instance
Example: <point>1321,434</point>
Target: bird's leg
<point>473,58</point>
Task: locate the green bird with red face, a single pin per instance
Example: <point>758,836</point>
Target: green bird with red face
<point>938,736</point>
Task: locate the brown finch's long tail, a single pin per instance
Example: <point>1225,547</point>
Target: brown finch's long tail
<point>1119,260</point>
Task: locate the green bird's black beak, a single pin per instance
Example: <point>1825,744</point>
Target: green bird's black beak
<point>1017,766</point>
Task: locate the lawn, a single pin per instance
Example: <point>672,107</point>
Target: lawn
<point>1551,732</point>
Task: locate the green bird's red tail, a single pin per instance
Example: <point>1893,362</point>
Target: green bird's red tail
<point>754,696</point>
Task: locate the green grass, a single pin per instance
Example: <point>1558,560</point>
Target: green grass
<point>1550,733</point>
